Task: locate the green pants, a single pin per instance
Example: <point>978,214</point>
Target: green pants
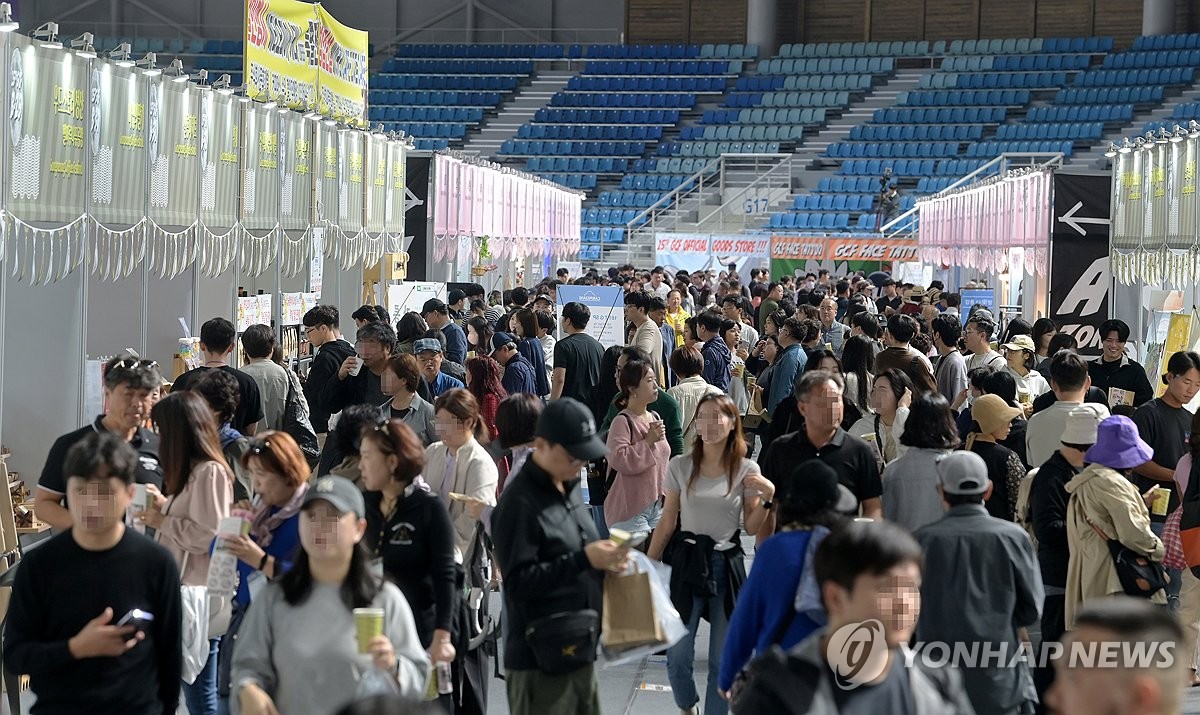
<point>532,692</point>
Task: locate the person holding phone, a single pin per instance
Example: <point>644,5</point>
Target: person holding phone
<point>72,593</point>
<point>638,452</point>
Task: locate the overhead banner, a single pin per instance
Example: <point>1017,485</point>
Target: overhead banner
<point>117,142</point>
<point>263,174</point>
<point>799,255</point>
<point>682,251</point>
<point>46,132</point>
<point>172,133</point>
<point>377,182</point>
<point>393,220</point>
<point>219,157</point>
<point>1079,274</point>
<point>329,187</point>
<point>279,63</point>
<point>350,201</point>
<point>295,193</point>
<point>341,70</point>
<point>702,251</point>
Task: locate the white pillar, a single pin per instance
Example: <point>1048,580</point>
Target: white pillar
<point>760,26</point>
<point>1158,17</point>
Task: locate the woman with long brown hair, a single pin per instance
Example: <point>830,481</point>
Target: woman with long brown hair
<point>638,452</point>
<point>525,329</point>
<point>483,381</point>
<point>197,495</point>
<point>708,493</point>
<point>459,464</point>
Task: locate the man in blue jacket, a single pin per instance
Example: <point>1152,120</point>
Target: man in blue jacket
<point>518,372</point>
<point>437,315</point>
<point>790,362</point>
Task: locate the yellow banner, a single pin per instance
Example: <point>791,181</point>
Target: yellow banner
<point>1181,333</point>
<point>341,70</point>
<point>279,62</point>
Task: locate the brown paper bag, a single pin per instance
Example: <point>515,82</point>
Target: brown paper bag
<point>629,618</point>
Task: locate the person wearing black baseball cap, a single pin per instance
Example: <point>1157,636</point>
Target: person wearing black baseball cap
<point>437,316</point>
<point>554,565</point>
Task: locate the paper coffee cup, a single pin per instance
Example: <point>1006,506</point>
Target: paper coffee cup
<point>750,381</point>
<point>1162,497</point>
<point>141,497</point>
<point>739,369</point>
<point>358,363</point>
<point>368,623</point>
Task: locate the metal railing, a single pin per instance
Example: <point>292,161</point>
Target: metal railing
<point>704,202</point>
<point>903,223</point>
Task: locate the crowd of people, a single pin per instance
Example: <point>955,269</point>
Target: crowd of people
<point>256,543</point>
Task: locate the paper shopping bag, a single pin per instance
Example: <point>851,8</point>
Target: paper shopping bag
<point>630,620</point>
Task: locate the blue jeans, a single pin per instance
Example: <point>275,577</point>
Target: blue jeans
<point>201,696</point>
<point>681,656</point>
<point>1174,576</point>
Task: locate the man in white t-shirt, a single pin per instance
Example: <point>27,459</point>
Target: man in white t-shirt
<point>978,336</point>
<point>657,286</point>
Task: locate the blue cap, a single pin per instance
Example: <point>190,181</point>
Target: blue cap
<point>427,344</point>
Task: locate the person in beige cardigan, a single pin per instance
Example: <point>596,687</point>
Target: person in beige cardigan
<point>688,365</point>
<point>473,472</point>
<point>1101,495</point>
<point>199,493</point>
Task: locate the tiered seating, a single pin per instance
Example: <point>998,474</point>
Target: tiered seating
<point>437,93</point>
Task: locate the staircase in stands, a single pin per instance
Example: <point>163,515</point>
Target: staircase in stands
<point>519,109</point>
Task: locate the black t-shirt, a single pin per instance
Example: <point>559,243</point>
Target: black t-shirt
<point>893,695</point>
<point>852,459</point>
<point>884,303</point>
<point>59,588</point>
<point>996,457</point>
<point>579,355</point>
<point>1166,429</point>
<point>249,409</point>
<point>145,442</point>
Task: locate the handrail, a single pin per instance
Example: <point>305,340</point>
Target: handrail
<point>785,161</point>
<point>690,184</point>
<point>1055,158</point>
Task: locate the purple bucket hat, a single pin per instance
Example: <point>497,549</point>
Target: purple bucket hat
<point>1118,445</point>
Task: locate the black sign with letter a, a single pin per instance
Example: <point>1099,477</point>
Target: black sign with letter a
<point>1079,273</point>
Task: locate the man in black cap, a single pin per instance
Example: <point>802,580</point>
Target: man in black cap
<point>518,371</point>
<point>456,301</point>
<point>437,315</point>
<point>554,565</point>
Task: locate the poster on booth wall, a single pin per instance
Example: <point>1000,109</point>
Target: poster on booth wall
<point>376,173</point>
<point>263,175</point>
<point>984,297</point>
<point>316,265</point>
<point>351,180</point>
<point>172,141</point>
<point>607,304</point>
<point>48,94</point>
<point>117,142</point>
<point>296,173</point>
<point>219,157</point>
<point>281,37</point>
<point>1079,274</point>
<point>410,296</point>
<point>341,70</point>
<point>329,165</point>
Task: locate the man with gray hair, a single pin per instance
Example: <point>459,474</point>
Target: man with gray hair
<point>818,396</point>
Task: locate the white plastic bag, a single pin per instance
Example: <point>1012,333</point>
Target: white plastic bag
<point>194,633</point>
<point>673,628</point>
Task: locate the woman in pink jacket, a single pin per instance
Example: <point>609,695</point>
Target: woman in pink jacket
<point>198,493</point>
<point>638,453</point>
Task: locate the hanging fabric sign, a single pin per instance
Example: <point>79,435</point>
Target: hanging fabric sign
<point>295,141</point>
<point>1156,196</point>
<point>260,190</point>
<point>219,156</point>
<point>393,220</point>
<point>377,182</point>
<point>350,214</point>
<point>341,70</point>
<point>116,142</point>
<point>279,61</point>
<point>328,182</point>
<point>46,132</point>
<point>172,129</point>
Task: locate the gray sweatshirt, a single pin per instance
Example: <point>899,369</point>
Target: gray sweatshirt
<point>306,657</point>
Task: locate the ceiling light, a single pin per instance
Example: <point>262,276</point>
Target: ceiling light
<point>147,63</point>
<point>121,55</point>
<point>48,34</point>
<point>83,46</point>
<point>7,23</point>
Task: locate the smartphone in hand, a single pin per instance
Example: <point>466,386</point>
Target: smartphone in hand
<point>139,619</point>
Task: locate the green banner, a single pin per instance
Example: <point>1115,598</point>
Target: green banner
<point>172,140</point>
<point>800,266</point>
<point>47,104</point>
<point>295,140</point>
<point>220,158</point>
<point>117,143</point>
<point>262,176</point>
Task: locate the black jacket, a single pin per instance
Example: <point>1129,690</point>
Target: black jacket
<point>1124,374</point>
<point>1048,508</point>
<point>416,546</point>
<point>325,366</point>
<point>540,534</point>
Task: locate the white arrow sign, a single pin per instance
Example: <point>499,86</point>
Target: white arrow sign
<point>1074,221</point>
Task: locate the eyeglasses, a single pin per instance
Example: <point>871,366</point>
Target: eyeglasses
<point>311,328</point>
